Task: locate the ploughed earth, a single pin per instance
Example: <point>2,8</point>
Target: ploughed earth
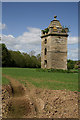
<point>19,101</point>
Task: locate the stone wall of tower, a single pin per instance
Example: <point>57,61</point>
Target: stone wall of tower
<point>56,52</point>
<point>59,52</point>
<point>48,55</point>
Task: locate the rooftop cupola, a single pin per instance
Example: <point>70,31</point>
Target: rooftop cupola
<point>55,23</point>
<point>55,27</point>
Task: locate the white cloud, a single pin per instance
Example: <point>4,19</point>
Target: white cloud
<point>73,48</point>
<point>31,41</point>
<point>2,26</point>
<point>26,42</point>
<point>73,53</point>
<point>72,40</point>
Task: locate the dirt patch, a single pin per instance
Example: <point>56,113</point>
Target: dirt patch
<point>18,107</point>
<point>16,88</point>
<point>30,102</point>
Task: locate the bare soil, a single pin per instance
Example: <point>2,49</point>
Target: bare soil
<point>31,102</point>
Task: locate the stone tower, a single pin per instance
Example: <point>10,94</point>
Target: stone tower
<point>54,46</point>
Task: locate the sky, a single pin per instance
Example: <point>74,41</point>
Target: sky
<point>22,23</point>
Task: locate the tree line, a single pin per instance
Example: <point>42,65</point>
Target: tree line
<point>17,59</point>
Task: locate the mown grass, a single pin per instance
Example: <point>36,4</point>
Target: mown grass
<point>43,79</point>
<point>5,81</point>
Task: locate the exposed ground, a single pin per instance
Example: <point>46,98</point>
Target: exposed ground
<point>29,102</point>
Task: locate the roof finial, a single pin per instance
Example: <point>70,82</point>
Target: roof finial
<point>55,17</point>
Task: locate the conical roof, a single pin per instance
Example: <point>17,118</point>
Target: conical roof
<point>55,23</point>
<point>55,28</point>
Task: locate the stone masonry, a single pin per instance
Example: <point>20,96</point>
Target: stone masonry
<point>54,46</point>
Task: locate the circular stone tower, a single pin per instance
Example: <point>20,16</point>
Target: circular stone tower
<point>54,46</point>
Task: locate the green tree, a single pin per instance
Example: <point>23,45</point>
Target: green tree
<point>7,61</point>
<point>18,58</point>
<point>39,60</point>
<point>0,55</point>
<point>70,64</point>
<point>27,60</point>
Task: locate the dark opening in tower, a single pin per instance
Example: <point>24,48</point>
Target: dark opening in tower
<point>45,41</point>
<point>45,51</point>
<point>45,63</point>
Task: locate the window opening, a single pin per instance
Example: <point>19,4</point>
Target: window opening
<point>45,63</point>
<point>45,51</point>
<point>45,41</point>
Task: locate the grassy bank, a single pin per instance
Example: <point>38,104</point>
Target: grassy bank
<point>43,79</point>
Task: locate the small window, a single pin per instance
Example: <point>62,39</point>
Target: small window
<point>45,51</point>
<point>45,41</point>
<point>45,63</point>
<point>58,28</point>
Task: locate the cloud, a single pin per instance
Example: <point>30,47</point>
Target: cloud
<point>72,40</point>
<point>26,42</point>
<point>73,54</point>
<point>2,26</point>
<point>30,40</point>
<point>73,48</point>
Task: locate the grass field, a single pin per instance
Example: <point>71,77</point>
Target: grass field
<point>41,79</point>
